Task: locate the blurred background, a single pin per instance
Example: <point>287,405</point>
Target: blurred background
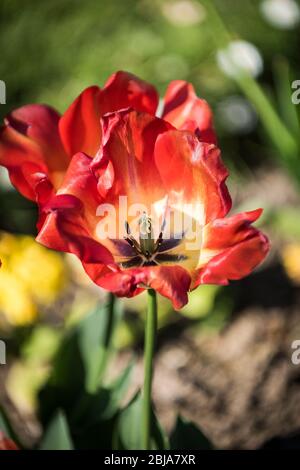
<point>225,360</point>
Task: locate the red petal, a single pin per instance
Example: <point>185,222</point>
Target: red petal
<point>70,216</point>
<point>232,248</point>
<point>123,90</point>
<point>184,110</point>
<point>63,231</point>
<point>125,163</point>
<point>80,125</point>
<point>193,170</point>
<point>31,150</point>
<point>172,282</point>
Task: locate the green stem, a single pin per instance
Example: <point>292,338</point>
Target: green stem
<point>150,332</point>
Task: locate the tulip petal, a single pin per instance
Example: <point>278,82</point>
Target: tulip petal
<point>70,216</point>
<point>123,90</point>
<point>125,163</point>
<point>31,150</point>
<point>63,231</point>
<point>193,172</point>
<point>231,249</point>
<point>172,282</point>
<point>80,128</point>
<point>185,111</point>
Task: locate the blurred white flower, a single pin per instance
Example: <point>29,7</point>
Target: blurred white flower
<point>283,14</point>
<point>240,56</point>
<point>236,115</point>
<point>183,12</point>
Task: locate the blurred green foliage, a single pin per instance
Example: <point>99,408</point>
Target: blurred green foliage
<point>52,50</point>
<point>74,415</point>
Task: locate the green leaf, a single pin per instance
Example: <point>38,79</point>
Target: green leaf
<point>95,342</point>
<point>128,431</point>
<point>103,404</point>
<point>80,362</point>
<point>57,435</point>
<point>117,391</point>
<point>186,435</point>
<point>92,420</point>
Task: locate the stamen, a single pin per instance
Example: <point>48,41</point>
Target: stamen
<point>146,252</point>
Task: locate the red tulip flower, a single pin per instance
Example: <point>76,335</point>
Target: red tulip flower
<point>109,146</point>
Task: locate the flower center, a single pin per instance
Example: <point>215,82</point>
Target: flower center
<point>148,251</point>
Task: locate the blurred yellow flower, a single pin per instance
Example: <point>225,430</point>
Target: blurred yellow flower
<point>15,302</point>
<point>23,383</point>
<point>41,270</point>
<point>291,261</point>
<point>31,275</point>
